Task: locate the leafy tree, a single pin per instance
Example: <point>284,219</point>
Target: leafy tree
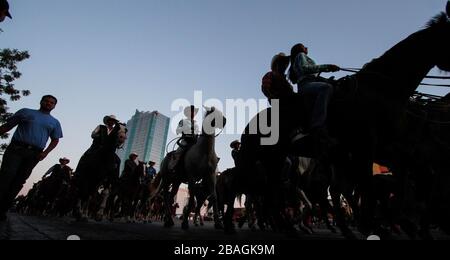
<point>8,74</point>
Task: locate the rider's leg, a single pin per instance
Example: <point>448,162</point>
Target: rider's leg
<point>321,92</point>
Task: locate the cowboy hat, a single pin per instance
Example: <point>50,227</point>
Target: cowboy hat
<point>234,144</point>
<point>134,154</point>
<point>448,9</point>
<point>188,111</point>
<point>64,160</point>
<point>111,117</point>
<point>4,5</point>
<point>278,58</point>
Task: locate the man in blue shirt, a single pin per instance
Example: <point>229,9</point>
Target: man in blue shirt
<point>27,148</point>
<point>150,171</point>
<point>305,73</point>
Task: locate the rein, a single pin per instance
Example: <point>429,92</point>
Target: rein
<point>356,70</point>
<point>220,132</point>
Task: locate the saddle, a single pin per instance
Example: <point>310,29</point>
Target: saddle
<point>176,162</point>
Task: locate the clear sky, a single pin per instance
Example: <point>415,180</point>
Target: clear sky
<point>104,57</point>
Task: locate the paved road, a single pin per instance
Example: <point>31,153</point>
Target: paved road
<point>43,228</point>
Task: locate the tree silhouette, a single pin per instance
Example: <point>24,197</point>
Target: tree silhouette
<point>8,74</point>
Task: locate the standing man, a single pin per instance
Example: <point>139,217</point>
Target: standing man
<point>236,146</point>
<point>150,171</point>
<point>4,10</point>
<point>27,148</point>
<point>130,166</point>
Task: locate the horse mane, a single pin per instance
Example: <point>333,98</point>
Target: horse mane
<point>392,54</point>
<point>438,20</point>
<point>446,98</point>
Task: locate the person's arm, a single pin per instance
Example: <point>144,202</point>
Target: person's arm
<point>12,122</point>
<point>307,67</point>
<point>180,128</point>
<point>7,127</point>
<point>96,132</point>
<point>48,172</point>
<point>49,149</point>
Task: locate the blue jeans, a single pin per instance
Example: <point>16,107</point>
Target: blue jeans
<point>320,93</point>
<point>18,163</point>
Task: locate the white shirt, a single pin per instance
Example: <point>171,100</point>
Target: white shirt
<point>185,127</point>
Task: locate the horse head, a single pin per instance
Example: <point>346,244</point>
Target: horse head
<point>121,136</point>
<point>214,119</point>
<point>440,26</point>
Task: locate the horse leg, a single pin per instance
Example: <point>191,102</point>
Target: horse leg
<point>187,209</point>
<point>364,165</point>
<point>325,208</point>
<point>228,200</point>
<point>82,207</point>
<point>168,221</point>
<point>211,184</point>
<point>337,189</point>
<point>198,208</point>
<point>424,193</point>
<point>100,214</point>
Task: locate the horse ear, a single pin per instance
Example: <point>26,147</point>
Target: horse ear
<point>448,8</point>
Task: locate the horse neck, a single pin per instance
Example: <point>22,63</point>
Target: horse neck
<point>400,70</point>
<point>207,143</point>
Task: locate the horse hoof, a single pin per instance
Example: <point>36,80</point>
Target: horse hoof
<point>169,224</point>
<point>185,226</point>
<point>262,227</point>
<point>230,231</point>
<point>426,235</point>
<point>77,215</point>
<point>83,220</point>
<point>306,230</point>
<point>332,229</point>
<point>348,234</point>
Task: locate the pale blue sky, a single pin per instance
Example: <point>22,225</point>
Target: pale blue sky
<point>112,57</point>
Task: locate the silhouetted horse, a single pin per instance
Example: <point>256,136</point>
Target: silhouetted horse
<point>129,185</point>
<point>52,189</point>
<point>419,161</point>
<point>200,163</point>
<point>380,92</point>
<point>95,167</point>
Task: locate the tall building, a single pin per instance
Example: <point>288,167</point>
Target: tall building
<point>147,136</point>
